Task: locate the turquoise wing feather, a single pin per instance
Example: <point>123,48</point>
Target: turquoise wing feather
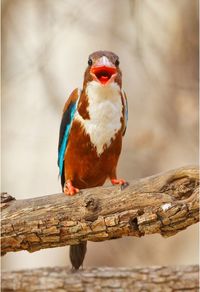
<point>65,127</point>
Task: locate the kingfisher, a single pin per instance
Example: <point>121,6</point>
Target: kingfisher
<point>93,124</point>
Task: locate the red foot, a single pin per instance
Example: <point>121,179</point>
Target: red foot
<point>115,181</point>
<point>69,189</point>
<point>123,184</point>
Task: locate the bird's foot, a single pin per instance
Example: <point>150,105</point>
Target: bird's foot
<point>123,184</point>
<point>69,189</point>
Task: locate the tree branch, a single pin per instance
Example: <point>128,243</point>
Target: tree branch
<point>165,203</point>
<point>103,279</point>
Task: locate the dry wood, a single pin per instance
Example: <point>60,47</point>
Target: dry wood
<point>165,203</point>
<point>184,278</point>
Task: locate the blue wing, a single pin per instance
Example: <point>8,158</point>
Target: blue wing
<point>65,126</point>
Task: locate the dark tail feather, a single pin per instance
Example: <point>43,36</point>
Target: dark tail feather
<point>77,254</point>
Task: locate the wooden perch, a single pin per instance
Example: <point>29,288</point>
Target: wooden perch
<point>165,203</point>
<point>103,279</point>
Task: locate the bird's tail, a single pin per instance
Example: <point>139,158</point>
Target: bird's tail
<point>77,254</point>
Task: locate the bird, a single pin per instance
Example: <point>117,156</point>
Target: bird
<point>93,123</point>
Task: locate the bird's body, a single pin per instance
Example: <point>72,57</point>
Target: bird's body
<point>92,127</point>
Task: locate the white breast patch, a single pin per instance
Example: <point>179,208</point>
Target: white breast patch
<point>105,111</point>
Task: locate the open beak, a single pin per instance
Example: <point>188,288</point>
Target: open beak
<point>103,71</point>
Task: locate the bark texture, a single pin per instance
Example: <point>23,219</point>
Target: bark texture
<point>165,203</point>
<point>103,279</point>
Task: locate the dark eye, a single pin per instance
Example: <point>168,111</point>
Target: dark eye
<point>117,62</point>
<point>90,62</point>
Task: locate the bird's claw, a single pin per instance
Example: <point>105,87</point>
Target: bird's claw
<point>123,184</point>
<point>69,189</point>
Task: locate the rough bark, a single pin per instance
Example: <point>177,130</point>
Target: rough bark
<point>184,278</point>
<point>165,203</point>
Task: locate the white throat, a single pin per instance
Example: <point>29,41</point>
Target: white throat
<point>105,111</point>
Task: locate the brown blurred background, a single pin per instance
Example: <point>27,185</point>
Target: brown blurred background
<point>45,46</point>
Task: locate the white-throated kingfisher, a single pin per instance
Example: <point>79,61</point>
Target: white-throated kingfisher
<point>93,123</point>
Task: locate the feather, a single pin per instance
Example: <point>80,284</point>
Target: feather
<point>125,105</point>
<point>66,123</point>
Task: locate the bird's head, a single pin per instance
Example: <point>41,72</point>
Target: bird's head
<point>103,67</point>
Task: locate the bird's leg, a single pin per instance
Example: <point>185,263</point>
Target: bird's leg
<point>123,184</point>
<point>69,189</point>
<point>115,181</point>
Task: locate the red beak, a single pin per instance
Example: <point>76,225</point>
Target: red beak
<point>103,74</point>
<point>103,71</point>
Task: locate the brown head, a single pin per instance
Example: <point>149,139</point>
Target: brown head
<point>103,67</point>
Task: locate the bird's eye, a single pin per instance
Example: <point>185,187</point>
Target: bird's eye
<point>117,62</point>
<point>90,62</point>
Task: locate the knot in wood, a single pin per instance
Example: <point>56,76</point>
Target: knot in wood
<point>91,204</point>
<point>134,223</point>
<point>180,188</point>
<point>5,198</point>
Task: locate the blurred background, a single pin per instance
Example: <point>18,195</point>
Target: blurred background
<point>45,48</point>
